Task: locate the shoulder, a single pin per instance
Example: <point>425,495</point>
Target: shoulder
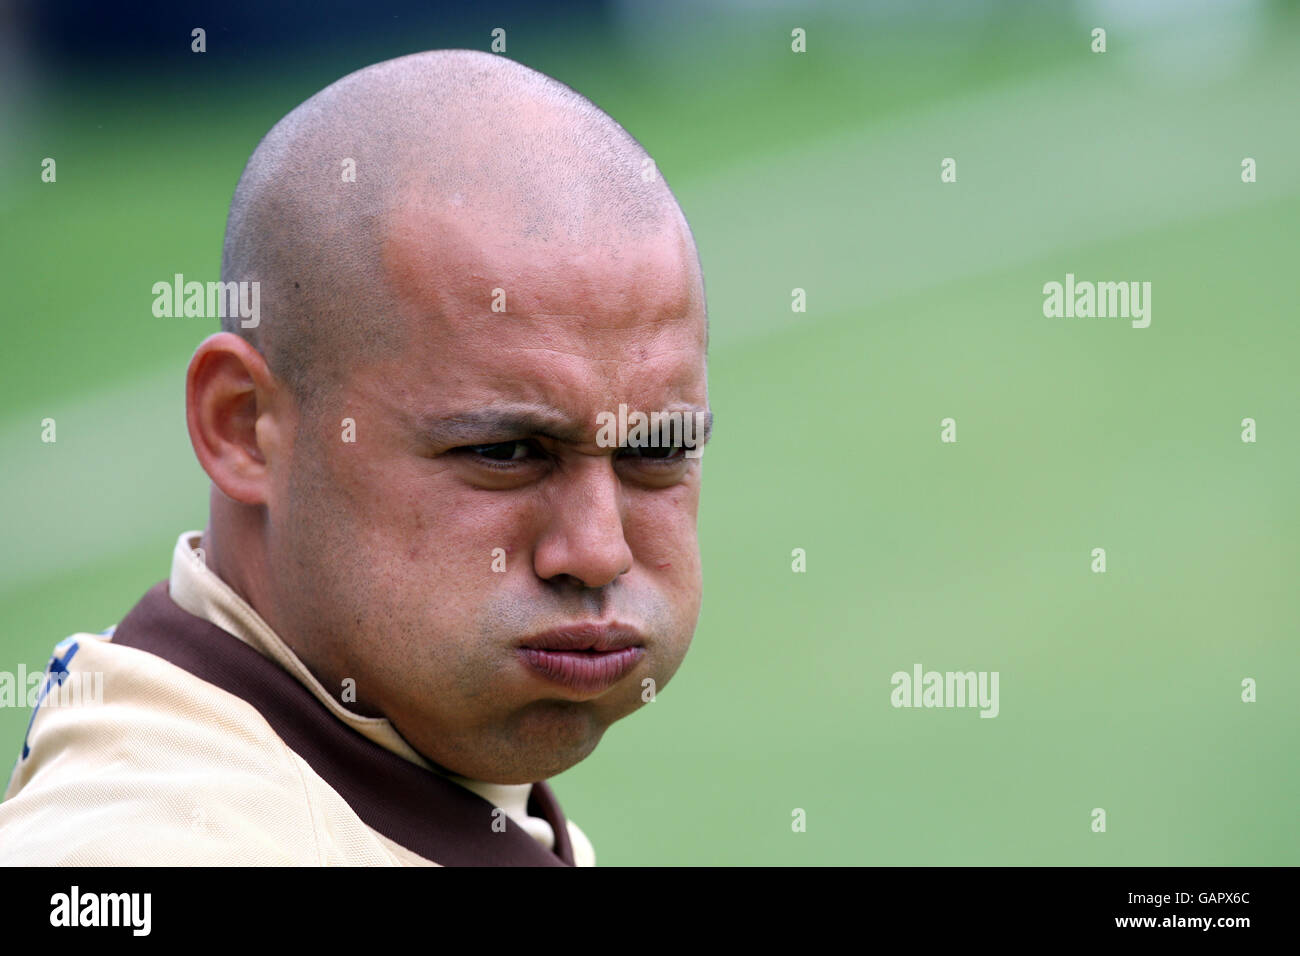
<point>131,760</point>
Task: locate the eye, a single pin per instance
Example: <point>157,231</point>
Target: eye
<point>502,451</point>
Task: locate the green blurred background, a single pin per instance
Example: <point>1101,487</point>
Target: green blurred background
<point>818,171</point>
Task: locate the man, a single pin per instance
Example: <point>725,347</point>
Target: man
<point>427,584</point>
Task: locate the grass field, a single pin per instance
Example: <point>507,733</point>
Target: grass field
<point>1119,690</point>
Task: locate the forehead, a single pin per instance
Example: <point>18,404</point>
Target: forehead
<point>576,322</point>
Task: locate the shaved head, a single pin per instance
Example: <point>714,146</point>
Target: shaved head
<point>446,144</point>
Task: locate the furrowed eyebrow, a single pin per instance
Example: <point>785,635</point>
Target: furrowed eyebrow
<point>480,426</point>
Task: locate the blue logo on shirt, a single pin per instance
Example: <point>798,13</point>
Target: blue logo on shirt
<point>56,672</point>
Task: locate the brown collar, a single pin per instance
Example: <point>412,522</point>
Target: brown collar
<point>417,808</point>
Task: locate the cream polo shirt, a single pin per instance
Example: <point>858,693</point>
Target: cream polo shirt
<point>227,790</point>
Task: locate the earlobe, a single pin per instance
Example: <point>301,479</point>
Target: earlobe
<point>228,391</point>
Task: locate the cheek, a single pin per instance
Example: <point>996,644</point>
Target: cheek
<point>662,533</point>
<point>339,490</point>
<point>473,538</point>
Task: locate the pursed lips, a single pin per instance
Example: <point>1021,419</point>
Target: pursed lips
<point>587,658</point>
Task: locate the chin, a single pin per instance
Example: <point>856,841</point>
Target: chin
<point>549,737</point>
<point>529,767</point>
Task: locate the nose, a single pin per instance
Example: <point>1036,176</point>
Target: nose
<point>583,541</point>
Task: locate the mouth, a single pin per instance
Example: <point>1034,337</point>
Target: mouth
<point>587,658</point>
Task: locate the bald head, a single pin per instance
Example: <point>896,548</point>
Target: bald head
<point>450,146</point>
